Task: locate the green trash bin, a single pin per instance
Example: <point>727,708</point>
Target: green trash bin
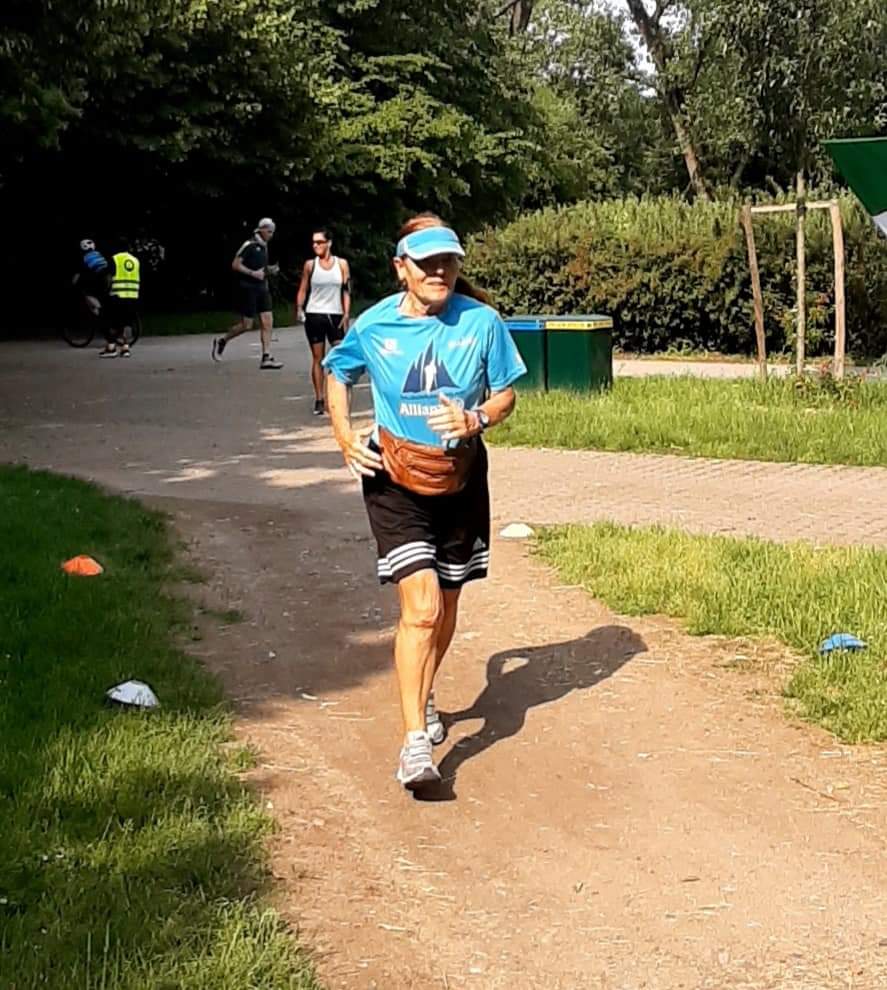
<point>579,352</point>
<point>528,334</point>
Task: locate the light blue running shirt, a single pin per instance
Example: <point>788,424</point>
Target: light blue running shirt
<point>461,353</point>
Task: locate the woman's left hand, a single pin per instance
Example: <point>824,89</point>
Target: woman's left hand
<point>452,421</point>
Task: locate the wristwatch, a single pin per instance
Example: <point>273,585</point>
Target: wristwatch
<point>483,419</point>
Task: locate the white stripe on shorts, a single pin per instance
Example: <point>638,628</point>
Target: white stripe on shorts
<point>479,561</point>
<point>403,556</point>
<point>410,553</point>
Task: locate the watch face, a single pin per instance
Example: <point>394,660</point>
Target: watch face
<point>484,419</point>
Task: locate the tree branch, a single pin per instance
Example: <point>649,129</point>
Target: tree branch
<point>662,7</point>
<point>520,11</point>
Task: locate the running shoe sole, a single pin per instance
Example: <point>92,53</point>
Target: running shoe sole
<point>423,779</point>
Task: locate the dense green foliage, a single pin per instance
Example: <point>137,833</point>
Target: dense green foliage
<point>182,121</point>
<point>675,274</point>
<point>186,121</point>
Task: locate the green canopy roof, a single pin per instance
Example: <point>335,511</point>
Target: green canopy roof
<point>863,163</point>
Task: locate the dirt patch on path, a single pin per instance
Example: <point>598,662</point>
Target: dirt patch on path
<point>623,811</point>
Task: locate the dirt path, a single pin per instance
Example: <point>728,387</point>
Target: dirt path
<point>629,807</point>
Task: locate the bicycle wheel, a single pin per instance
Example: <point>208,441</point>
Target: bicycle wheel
<point>79,332</point>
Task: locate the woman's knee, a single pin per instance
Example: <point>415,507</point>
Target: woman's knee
<point>421,602</point>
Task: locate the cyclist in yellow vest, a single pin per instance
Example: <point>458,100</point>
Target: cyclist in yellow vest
<point>123,302</point>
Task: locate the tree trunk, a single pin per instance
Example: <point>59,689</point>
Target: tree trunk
<point>688,150</point>
<point>519,14</point>
<point>671,95</point>
<point>801,249</point>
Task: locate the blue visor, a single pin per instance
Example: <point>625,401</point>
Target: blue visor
<point>429,242</point>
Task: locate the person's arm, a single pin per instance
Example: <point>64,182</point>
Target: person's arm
<point>238,266</point>
<point>345,364</point>
<point>455,423</point>
<point>359,458</point>
<point>346,293</point>
<point>302,294</point>
<point>503,366</point>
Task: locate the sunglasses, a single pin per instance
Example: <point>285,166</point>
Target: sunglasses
<point>320,242</point>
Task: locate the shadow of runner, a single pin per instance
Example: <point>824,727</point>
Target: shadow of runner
<point>525,677</point>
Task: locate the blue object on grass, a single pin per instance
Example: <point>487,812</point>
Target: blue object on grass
<point>841,641</point>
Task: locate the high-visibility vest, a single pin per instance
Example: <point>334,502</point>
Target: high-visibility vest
<point>125,281</point>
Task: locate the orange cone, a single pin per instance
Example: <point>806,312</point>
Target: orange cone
<point>82,566</point>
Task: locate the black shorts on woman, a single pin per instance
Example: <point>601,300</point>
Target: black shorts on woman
<point>446,533</point>
<point>320,327</point>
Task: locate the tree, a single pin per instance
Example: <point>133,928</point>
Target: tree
<point>802,73</point>
<point>672,79</point>
<point>138,114</point>
<point>580,54</point>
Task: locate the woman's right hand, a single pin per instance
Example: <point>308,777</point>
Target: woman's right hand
<point>360,459</point>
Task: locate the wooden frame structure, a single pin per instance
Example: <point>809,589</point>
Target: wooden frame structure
<point>800,208</point>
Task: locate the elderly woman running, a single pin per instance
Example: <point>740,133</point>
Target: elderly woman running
<point>441,365</point>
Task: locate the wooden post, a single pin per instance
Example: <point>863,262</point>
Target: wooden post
<point>756,290</point>
<point>813,204</point>
<point>840,303</point>
<point>801,344</point>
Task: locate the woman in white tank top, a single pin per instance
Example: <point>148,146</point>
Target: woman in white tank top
<point>324,302</point>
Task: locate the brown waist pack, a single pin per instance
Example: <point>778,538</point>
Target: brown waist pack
<point>427,470</point>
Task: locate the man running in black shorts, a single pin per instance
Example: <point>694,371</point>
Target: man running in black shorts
<point>252,268</point>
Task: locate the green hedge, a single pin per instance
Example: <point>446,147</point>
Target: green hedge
<point>675,275</point>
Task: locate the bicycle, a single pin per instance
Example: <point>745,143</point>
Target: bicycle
<point>84,321</point>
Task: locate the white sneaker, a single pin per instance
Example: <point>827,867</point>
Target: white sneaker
<point>435,728</point>
<point>416,768</point>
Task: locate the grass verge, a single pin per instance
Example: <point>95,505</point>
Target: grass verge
<point>217,321</point>
<point>808,420</point>
<point>796,593</point>
<point>130,855</point>
<point>205,321</point>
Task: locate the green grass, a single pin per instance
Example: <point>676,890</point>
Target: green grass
<point>811,421</point>
<point>131,856</point>
<point>205,321</point>
<point>217,320</point>
<point>795,593</point>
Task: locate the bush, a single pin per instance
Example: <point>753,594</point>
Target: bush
<point>676,275</point>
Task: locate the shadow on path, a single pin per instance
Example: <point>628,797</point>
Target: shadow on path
<point>525,677</point>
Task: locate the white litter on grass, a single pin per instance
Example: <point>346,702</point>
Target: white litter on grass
<point>516,531</point>
<point>133,694</point>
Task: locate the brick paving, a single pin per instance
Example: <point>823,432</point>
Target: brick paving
<point>825,504</point>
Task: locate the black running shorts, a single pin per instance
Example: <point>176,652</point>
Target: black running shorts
<point>320,327</point>
<point>446,533</point>
<point>253,299</point>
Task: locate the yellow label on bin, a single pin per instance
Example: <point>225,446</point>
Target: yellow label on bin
<point>603,324</point>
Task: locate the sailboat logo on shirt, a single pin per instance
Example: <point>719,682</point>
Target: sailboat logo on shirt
<point>427,374</point>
